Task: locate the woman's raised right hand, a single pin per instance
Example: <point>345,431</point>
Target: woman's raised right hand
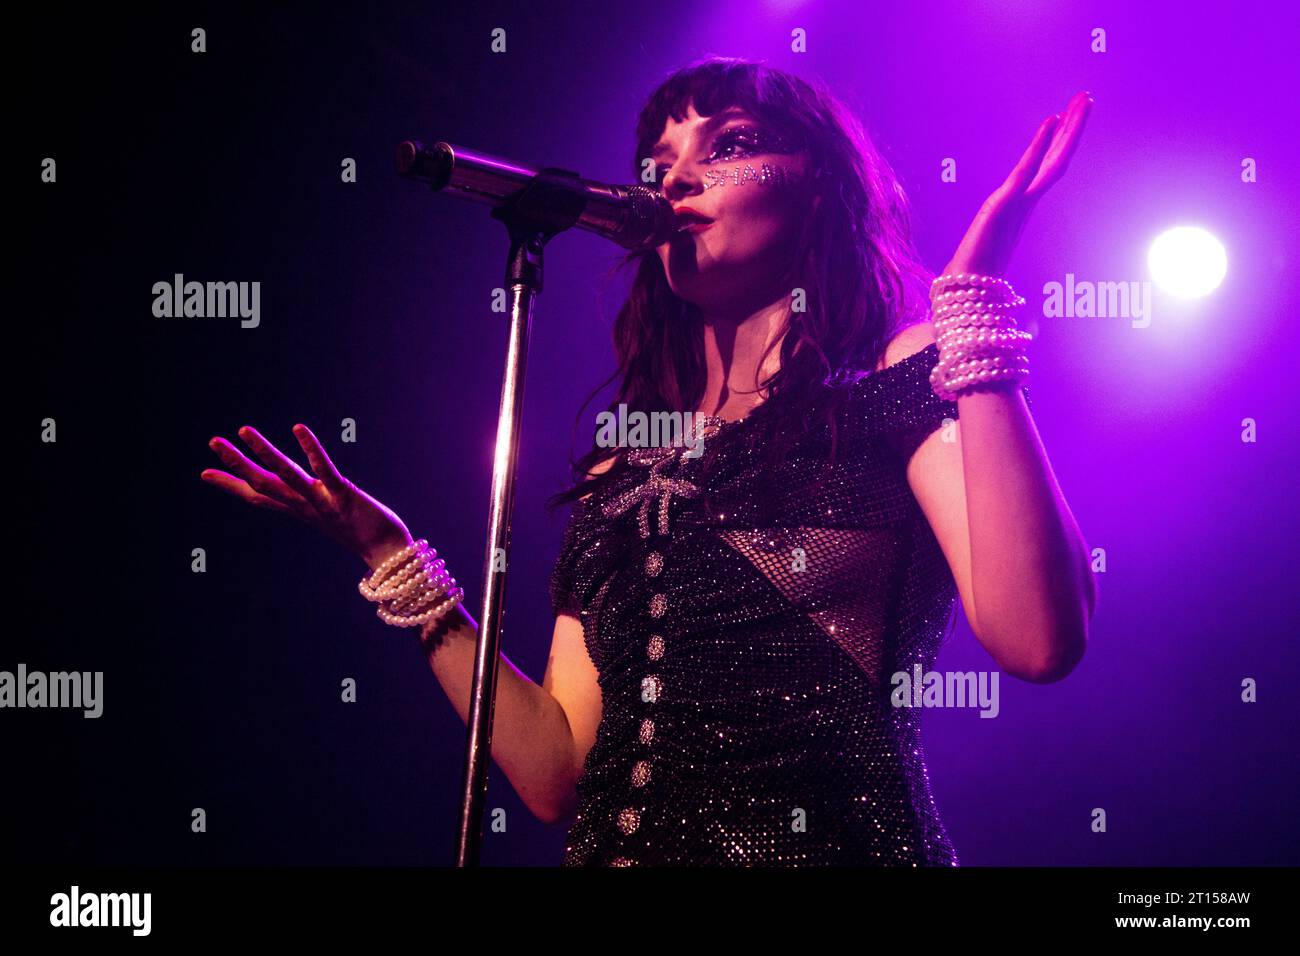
<point>326,500</point>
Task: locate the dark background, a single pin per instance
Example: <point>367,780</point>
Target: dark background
<point>222,690</point>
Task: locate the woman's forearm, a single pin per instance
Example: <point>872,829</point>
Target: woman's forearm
<point>1031,580</point>
<point>531,739</point>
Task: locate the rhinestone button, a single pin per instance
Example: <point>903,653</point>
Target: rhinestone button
<point>650,688</point>
<point>622,861</point>
<point>658,605</point>
<point>628,820</point>
<point>655,649</point>
<point>640,773</point>
<point>647,731</point>
<point>654,563</point>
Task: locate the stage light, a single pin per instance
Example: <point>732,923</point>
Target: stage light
<point>1187,261</point>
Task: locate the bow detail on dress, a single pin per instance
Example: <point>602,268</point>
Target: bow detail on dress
<point>659,485</point>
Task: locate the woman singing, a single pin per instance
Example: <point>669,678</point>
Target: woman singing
<point>721,687</point>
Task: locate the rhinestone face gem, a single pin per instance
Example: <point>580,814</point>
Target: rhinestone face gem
<point>629,820</point>
<point>655,649</point>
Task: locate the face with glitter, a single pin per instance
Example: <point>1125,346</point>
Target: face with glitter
<point>751,187</point>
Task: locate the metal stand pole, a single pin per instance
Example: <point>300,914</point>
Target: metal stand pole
<point>528,237</point>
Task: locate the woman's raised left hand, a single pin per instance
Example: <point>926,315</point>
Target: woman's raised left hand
<point>987,246</point>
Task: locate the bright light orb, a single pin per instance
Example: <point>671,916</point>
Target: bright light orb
<point>1187,261</point>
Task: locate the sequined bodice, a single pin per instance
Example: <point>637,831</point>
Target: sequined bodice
<point>744,624</point>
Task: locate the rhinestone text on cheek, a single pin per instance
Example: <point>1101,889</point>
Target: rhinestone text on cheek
<point>768,175</point>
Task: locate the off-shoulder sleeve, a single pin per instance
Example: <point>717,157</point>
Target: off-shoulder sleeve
<point>563,585</point>
<point>898,403</point>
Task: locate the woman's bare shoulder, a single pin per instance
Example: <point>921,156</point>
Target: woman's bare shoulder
<point>907,343</point>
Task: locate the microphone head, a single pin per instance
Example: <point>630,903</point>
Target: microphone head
<point>651,221</point>
<point>430,164</point>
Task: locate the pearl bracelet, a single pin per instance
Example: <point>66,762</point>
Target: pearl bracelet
<point>989,322</point>
<point>418,611</point>
<point>397,570</point>
<point>967,281</point>
<point>417,593</point>
<point>998,340</point>
<point>436,612</point>
<point>396,560</point>
<point>408,579</point>
<point>419,598</point>
<point>976,334</point>
<point>412,587</point>
<point>978,308</point>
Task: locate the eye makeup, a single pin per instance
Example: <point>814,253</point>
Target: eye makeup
<point>750,140</point>
<point>739,142</point>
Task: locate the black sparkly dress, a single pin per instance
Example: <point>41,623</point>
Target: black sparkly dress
<point>745,624</point>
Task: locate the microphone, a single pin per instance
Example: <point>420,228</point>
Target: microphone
<point>635,217</point>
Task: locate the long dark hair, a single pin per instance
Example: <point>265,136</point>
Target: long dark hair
<point>862,277</point>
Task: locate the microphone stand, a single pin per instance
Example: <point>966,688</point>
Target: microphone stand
<point>543,208</point>
<point>534,207</point>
